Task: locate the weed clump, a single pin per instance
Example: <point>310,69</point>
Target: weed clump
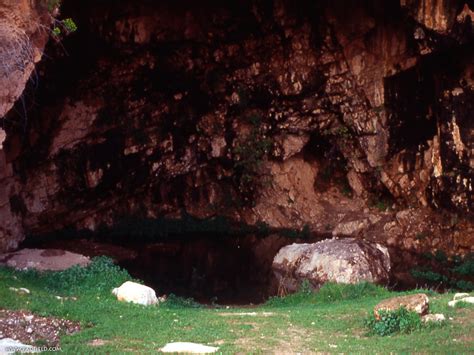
<point>328,293</point>
<point>99,277</point>
<point>392,322</point>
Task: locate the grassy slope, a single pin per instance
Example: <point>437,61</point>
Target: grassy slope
<point>331,321</point>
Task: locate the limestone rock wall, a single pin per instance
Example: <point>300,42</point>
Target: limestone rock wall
<point>24,31</point>
<point>291,114</point>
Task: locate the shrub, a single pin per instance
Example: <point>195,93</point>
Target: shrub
<point>99,277</point>
<point>65,26</point>
<point>70,25</point>
<point>391,322</point>
<point>429,275</point>
<point>466,267</point>
<point>455,273</point>
<point>464,285</point>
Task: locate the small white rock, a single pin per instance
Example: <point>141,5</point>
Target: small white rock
<point>438,317</point>
<point>464,300</point>
<point>135,293</point>
<point>20,290</point>
<point>459,296</point>
<point>188,348</point>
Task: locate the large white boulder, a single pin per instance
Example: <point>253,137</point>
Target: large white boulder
<point>188,348</point>
<point>136,293</point>
<point>346,261</point>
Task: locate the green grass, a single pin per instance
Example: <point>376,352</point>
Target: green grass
<point>332,320</point>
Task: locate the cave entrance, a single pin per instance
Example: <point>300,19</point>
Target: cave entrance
<point>211,268</point>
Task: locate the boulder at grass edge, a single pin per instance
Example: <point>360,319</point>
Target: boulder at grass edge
<point>418,303</point>
<point>135,293</point>
<point>347,261</point>
<point>461,298</point>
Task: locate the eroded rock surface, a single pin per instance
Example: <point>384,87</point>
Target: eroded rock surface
<point>295,115</point>
<point>24,31</point>
<point>347,261</point>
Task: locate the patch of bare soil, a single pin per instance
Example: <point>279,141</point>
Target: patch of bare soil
<point>32,329</point>
<point>293,340</point>
<point>288,341</point>
<point>98,342</point>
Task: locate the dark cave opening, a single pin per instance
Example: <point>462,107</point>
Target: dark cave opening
<point>208,270</point>
<point>212,262</point>
<point>410,99</point>
<point>217,269</point>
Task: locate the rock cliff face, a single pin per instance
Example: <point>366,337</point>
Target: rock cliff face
<point>294,114</point>
<point>24,31</point>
